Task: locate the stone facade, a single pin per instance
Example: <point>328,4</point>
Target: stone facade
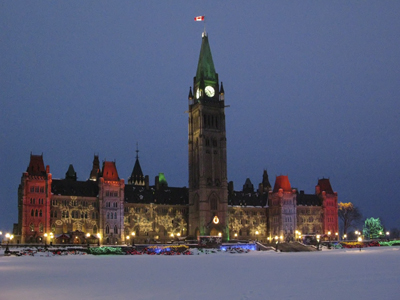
<point>105,208</point>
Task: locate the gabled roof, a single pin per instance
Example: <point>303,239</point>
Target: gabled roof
<point>243,198</point>
<point>109,172</point>
<point>36,166</point>
<point>308,199</point>
<point>205,66</point>
<point>162,195</point>
<point>74,188</point>
<point>325,185</point>
<point>282,182</point>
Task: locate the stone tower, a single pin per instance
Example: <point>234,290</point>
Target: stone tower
<point>34,195</point>
<point>111,204</point>
<point>208,190</point>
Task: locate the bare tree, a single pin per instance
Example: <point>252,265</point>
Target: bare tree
<point>349,214</point>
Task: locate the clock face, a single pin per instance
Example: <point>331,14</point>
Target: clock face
<point>198,93</point>
<point>210,92</point>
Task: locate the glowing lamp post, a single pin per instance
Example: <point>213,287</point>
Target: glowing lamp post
<point>337,236</point>
<point>345,236</point>
<point>133,238</point>
<point>127,240</point>
<point>8,237</point>
<point>318,239</point>
<point>329,235</point>
<point>235,235</point>
<point>45,241</point>
<point>276,243</point>
<point>387,235</point>
<point>87,239</point>
<point>257,235</point>
<point>359,240</point>
<point>98,239</point>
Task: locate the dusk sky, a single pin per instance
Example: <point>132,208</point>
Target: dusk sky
<point>313,89</point>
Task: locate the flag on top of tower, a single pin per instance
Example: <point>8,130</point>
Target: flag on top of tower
<point>199,18</point>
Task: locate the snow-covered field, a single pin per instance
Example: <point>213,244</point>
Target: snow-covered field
<point>373,273</point>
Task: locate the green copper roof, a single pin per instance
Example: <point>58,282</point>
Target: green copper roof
<point>162,180</point>
<point>205,67</point>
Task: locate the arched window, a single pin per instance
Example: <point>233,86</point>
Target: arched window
<point>32,212</point>
<point>94,229</point>
<point>40,213</point>
<point>213,203</point>
<point>107,229</point>
<point>31,227</point>
<point>115,215</point>
<point>115,229</point>
<point>40,227</point>
<point>53,228</point>
<point>36,213</point>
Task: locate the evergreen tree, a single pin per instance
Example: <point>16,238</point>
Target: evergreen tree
<point>373,228</point>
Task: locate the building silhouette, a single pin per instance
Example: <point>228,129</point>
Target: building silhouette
<point>105,208</point>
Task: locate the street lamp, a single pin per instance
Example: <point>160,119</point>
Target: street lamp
<point>344,236</point>
<point>87,239</point>
<point>133,238</point>
<point>360,240</point>
<point>127,240</point>
<point>98,239</point>
<point>257,235</point>
<point>329,235</point>
<point>276,243</point>
<point>235,235</point>
<point>8,237</point>
<point>387,234</point>
<point>318,239</point>
<point>337,236</point>
<point>45,241</point>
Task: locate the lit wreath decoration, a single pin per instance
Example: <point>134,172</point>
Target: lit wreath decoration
<point>215,220</point>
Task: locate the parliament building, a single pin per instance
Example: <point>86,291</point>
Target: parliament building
<point>108,210</point>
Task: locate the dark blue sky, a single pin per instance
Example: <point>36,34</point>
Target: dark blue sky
<point>313,89</point>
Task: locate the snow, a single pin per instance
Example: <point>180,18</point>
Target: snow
<point>373,273</point>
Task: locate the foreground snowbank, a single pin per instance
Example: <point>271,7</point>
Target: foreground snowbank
<point>350,274</point>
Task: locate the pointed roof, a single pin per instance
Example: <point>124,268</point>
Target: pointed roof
<point>95,169</point>
<point>137,174</point>
<point>282,182</point>
<point>265,180</point>
<point>109,172</point>
<point>205,66</point>
<point>162,180</point>
<point>325,185</point>
<point>71,174</point>
<point>248,186</point>
<point>36,166</point>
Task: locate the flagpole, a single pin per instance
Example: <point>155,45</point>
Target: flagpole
<point>205,33</point>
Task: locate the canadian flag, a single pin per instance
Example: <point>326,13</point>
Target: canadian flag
<point>199,18</point>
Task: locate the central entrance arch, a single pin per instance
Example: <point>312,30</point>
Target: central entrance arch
<point>214,232</point>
